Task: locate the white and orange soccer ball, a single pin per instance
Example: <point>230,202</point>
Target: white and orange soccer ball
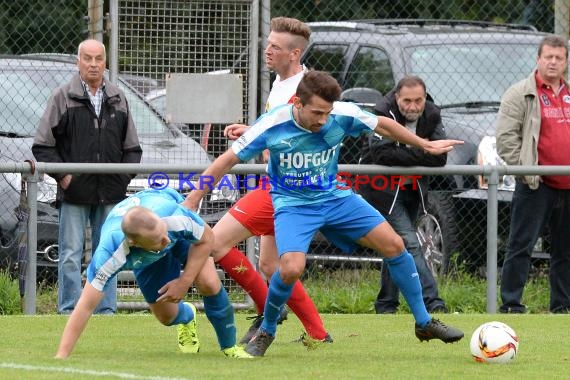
<point>494,342</point>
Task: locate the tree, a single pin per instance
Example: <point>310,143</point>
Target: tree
<point>42,26</point>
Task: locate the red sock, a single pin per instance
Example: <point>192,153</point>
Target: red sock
<point>304,308</point>
<point>238,267</point>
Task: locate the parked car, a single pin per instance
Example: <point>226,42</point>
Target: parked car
<point>467,66</point>
<point>25,85</point>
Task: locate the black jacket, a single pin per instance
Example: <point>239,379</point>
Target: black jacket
<point>384,151</point>
<point>70,131</point>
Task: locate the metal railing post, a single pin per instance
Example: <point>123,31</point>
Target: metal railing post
<point>492,225</point>
<point>30,287</point>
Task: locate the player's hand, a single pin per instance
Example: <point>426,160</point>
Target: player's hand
<point>173,291</point>
<point>234,131</point>
<point>441,146</point>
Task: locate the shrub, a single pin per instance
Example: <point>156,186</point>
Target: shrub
<point>9,295</point>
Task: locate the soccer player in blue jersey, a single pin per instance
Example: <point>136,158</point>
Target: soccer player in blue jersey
<point>304,143</point>
<point>152,234</point>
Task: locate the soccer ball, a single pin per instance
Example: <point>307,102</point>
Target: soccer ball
<point>494,342</point>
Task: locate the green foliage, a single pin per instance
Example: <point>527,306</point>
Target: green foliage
<point>41,26</point>
<point>46,299</point>
<point>9,295</point>
<point>343,291</point>
<point>354,291</point>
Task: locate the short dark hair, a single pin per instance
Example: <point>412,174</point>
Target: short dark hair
<point>318,83</point>
<point>553,41</point>
<point>410,81</point>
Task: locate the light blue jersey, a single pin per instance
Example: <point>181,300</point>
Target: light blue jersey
<point>114,254</point>
<point>303,165</point>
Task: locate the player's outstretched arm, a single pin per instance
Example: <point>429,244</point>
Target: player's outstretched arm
<point>175,290</point>
<point>390,128</point>
<point>217,169</point>
<point>90,298</point>
<point>234,131</point>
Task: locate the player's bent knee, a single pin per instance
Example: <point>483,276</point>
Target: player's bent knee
<point>390,245</point>
<point>268,267</point>
<point>291,274</point>
<point>394,246</point>
<point>209,287</point>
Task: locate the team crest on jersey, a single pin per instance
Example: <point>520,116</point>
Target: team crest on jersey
<point>545,100</point>
<point>566,99</point>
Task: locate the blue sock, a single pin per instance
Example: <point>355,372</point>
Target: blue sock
<point>220,313</point>
<point>185,315</point>
<point>278,295</point>
<point>405,275</point>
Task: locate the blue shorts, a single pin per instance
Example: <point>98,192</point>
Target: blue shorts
<point>154,276</point>
<point>343,221</point>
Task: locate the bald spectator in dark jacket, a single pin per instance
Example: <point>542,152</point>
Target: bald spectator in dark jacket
<point>86,120</point>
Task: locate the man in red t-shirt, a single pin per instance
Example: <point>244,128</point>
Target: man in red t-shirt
<point>533,128</point>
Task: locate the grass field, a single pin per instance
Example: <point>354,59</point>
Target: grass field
<point>366,346</point>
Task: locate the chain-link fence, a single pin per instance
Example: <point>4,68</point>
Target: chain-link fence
<point>158,39</point>
<point>466,60</point>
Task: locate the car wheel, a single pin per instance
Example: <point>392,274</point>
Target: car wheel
<point>441,234</point>
<point>429,235</point>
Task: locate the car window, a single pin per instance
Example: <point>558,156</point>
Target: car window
<point>159,103</point>
<point>24,95</point>
<point>145,119</point>
<point>327,57</point>
<point>456,74</point>
<point>370,68</point>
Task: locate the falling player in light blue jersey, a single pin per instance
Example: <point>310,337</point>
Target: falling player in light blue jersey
<point>304,142</point>
<point>153,235</point>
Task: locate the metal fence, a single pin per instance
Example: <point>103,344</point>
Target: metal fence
<point>466,59</point>
<point>128,295</point>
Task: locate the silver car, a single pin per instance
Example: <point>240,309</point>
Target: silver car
<point>25,86</point>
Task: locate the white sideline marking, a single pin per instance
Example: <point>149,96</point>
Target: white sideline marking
<point>121,375</point>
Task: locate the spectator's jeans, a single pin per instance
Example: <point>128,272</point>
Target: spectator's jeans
<point>531,211</point>
<point>72,222</point>
<point>402,219</point>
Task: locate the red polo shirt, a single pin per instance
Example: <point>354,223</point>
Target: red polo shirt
<point>554,138</point>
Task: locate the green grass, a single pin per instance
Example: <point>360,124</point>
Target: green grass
<point>366,346</point>
<point>354,292</point>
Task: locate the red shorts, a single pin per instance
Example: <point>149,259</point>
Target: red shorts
<point>255,212</point>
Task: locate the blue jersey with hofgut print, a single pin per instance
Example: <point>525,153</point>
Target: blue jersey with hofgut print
<point>303,165</point>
